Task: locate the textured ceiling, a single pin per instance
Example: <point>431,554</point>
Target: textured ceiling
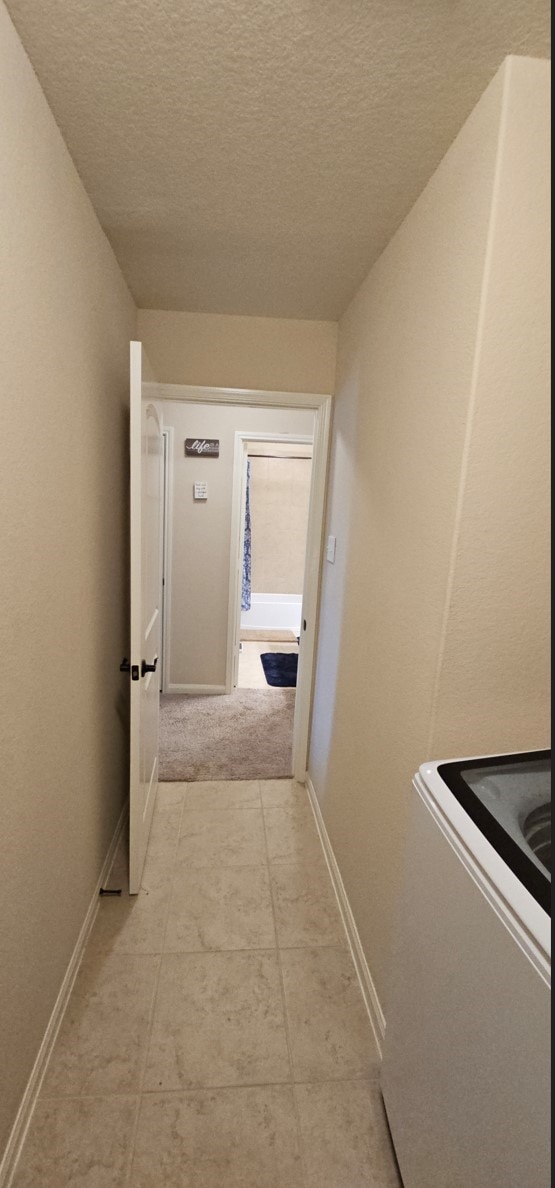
<point>255,156</point>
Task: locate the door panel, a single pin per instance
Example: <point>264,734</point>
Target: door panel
<point>146,584</point>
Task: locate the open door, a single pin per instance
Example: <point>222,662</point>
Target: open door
<point>146,582</point>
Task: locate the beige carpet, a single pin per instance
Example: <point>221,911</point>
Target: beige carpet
<point>247,735</point>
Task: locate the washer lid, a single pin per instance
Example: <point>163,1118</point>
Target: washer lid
<point>497,808</point>
<point>509,799</point>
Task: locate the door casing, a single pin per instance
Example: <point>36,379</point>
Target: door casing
<point>237,544</point>
<point>167,513</point>
<point>254,398</point>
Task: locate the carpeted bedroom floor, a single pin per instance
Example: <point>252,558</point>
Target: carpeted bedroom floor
<point>246,735</point>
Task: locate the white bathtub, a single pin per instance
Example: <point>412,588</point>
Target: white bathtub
<point>274,612</point>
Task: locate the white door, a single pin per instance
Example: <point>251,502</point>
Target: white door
<point>146,584</point>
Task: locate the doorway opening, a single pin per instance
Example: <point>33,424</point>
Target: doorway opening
<point>170,630</point>
<point>217,720</point>
<point>268,558</point>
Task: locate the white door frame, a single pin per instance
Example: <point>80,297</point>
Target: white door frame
<point>167,513</point>
<point>238,536</point>
<point>321,404</point>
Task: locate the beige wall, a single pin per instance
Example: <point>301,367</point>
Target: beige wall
<point>433,619</point>
<point>199,581</point>
<point>279,497</point>
<point>217,350</point>
<point>66,321</point>
<point>497,614</point>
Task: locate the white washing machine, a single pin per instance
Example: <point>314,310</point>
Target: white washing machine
<point>466,1068</point>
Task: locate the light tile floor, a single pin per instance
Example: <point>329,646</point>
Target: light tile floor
<point>251,673</point>
<point>216,1036</point>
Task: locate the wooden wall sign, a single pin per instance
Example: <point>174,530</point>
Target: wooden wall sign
<point>202,447</point>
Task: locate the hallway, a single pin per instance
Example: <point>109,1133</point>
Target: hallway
<point>216,1036</point>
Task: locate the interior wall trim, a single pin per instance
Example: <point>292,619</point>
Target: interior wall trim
<point>10,1159</point>
<point>369,992</point>
<point>252,396</point>
<point>167,548</point>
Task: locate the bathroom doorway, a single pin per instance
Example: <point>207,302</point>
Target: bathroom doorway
<point>269,562</point>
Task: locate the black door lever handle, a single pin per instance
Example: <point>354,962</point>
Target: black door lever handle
<point>126,666</point>
<point>148,667</point>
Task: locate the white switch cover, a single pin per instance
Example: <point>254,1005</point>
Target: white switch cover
<point>330,551</point>
<point>200,490</point>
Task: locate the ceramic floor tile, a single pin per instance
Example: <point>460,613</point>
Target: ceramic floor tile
<point>251,678</point>
<point>223,794</point>
<point>220,908</point>
<point>292,836</point>
<point>281,793</point>
<point>228,1138</point>
<point>134,923</point>
<point>218,1021</point>
<point>103,1037</point>
<point>164,828</point>
<point>170,795</point>
<point>329,1029</point>
<point>218,1016</point>
<point>161,851</point>
<point>251,673</point>
<point>82,1144</point>
<point>345,1136</point>
<point>163,837</point>
<point>222,837</point>
<point>306,908</point>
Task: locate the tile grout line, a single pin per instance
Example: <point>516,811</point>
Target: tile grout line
<point>135,1130</point>
<point>365,1079</point>
<point>284,1007</point>
<point>236,808</point>
<point>166,952</point>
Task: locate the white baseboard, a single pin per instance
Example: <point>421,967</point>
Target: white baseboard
<point>20,1127</point>
<point>369,993</point>
<point>197,690</point>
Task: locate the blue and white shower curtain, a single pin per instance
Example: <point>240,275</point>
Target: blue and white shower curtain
<point>246,587</point>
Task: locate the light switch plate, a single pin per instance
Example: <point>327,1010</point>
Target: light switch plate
<point>330,551</point>
<point>200,490</point>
